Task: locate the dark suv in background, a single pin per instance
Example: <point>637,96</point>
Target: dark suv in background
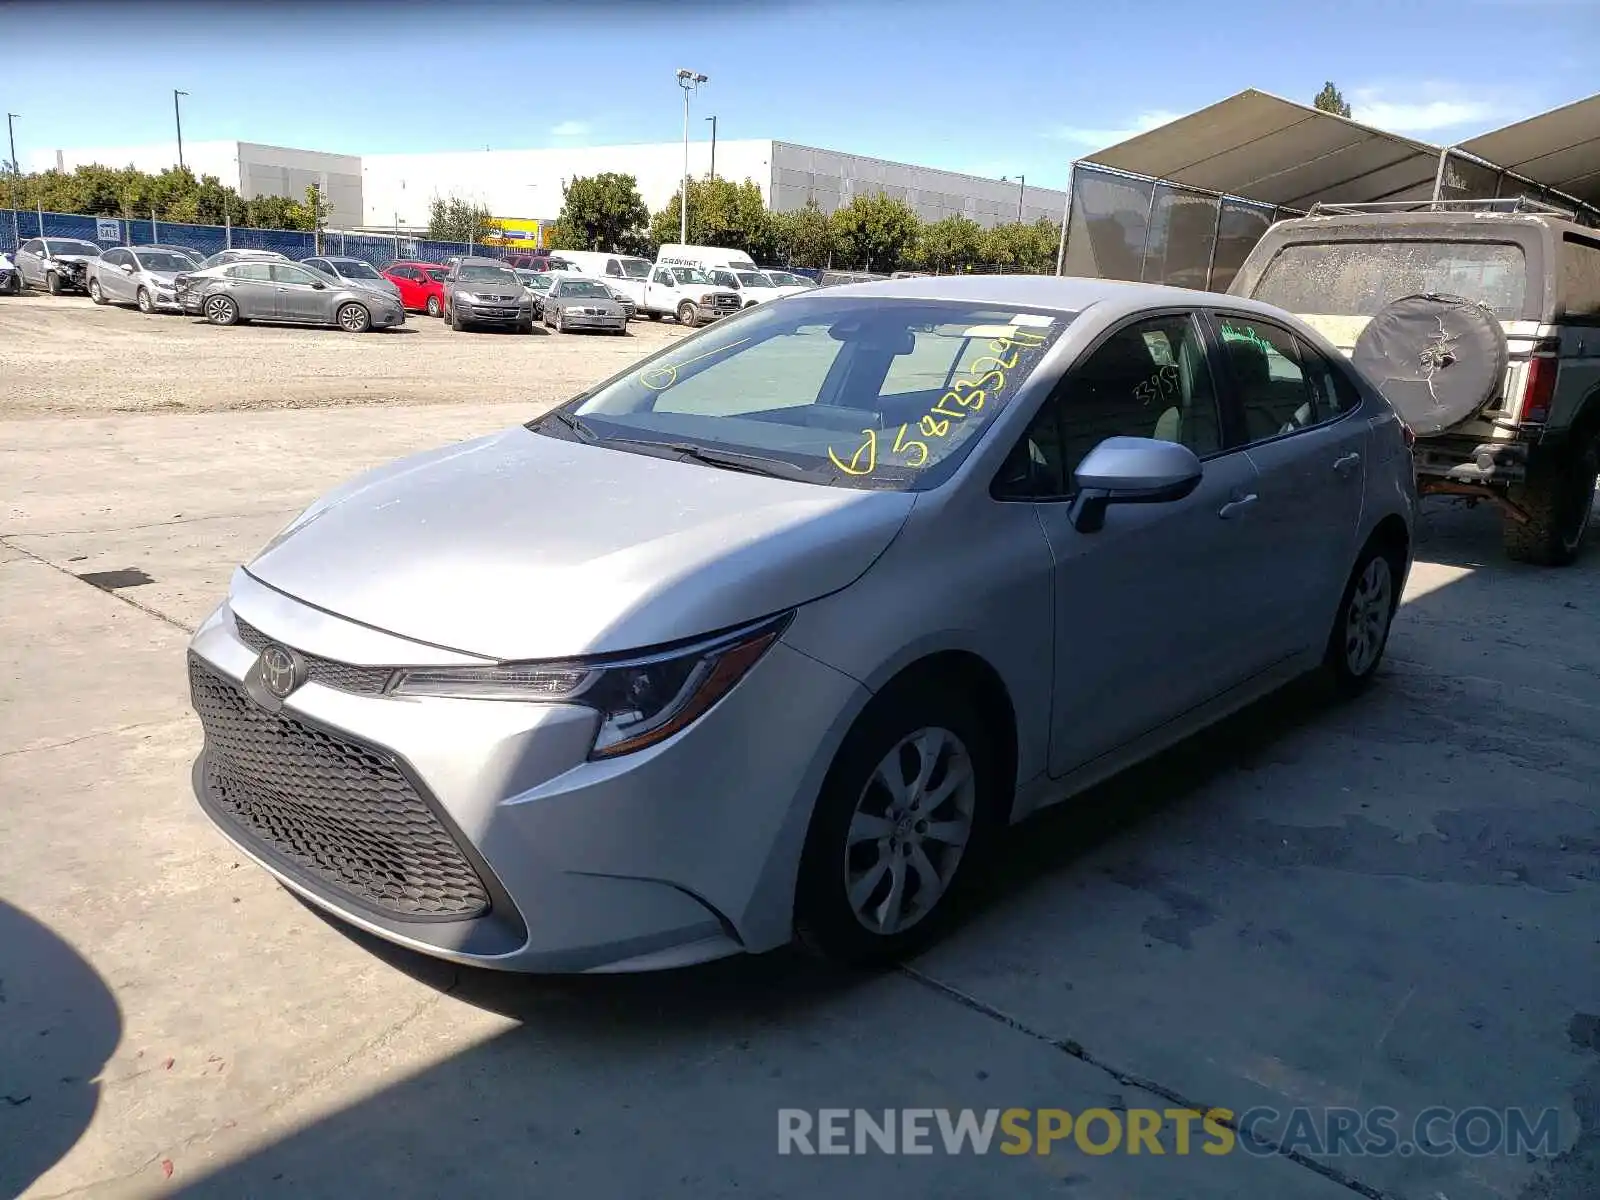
<point>485,291</point>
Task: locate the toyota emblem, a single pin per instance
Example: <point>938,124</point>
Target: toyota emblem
<point>281,670</point>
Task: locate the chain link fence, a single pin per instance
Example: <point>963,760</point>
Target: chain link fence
<point>17,226</point>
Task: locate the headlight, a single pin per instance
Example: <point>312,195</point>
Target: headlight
<point>708,298</point>
<point>641,701</point>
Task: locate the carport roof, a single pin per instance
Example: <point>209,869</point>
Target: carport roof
<point>1265,148</point>
<point>1559,148</point>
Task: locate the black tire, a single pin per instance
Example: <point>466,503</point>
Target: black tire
<point>653,315</point>
<point>1361,627</point>
<point>435,309</point>
<point>13,285</point>
<point>561,321</point>
<point>688,315</point>
<point>221,310</point>
<point>353,317</point>
<point>826,922</point>
<point>1558,497</point>
<point>143,300</point>
<point>95,293</point>
<point>52,283</point>
<point>525,326</point>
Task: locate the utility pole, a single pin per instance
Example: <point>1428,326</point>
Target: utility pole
<point>177,117</point>
<point>713,121</point>
<point>1022,190</point>
<point>688,80</point>
<point>15,173</point>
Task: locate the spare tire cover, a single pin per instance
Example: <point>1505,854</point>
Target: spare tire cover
<point>1438,359</point>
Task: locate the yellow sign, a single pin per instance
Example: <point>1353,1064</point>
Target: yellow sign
<point>524,233</point>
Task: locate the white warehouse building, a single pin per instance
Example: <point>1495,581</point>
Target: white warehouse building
<point>381,190</point>
<point>514,183</point>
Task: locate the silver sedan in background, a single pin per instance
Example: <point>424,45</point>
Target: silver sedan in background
<point>577,302</point>
<point>286,292</point>
<point>352,272</point>
<point>771,633</point>
<point>223,257</point>
<point>139,275</point>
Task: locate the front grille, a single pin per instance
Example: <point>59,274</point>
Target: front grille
<point>346,677</point>
<point>339,811</point>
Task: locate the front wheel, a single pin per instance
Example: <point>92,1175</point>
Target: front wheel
<point>95,293</point>
<point>688,315</point>
<point>525,326</point>
<point>354,318</point>
<point>1366,613</point>
<point>52,284</point>
<point>221,310</point>
<point>1558,497</point>
<point>145,304</point>
<point>561,322</point>
<point>434,308</point>
<point>907,807</point>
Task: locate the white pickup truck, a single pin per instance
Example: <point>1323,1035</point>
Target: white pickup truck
<point>682,292</point>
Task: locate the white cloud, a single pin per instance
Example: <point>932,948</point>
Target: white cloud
<point>1428,109</point>
<point>568,129</point>
<point>1102,139</point>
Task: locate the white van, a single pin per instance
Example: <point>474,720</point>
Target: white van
<point>707,258</point>
<point>731,269</point>
<point>610,266</point>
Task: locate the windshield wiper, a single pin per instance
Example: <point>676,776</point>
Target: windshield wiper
<point>576,424</point>
<point>730,460</point>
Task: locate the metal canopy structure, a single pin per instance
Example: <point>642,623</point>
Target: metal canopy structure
<point>1278,152</point>
<point>1559,149</point>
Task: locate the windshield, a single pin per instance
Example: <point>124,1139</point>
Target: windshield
<point>585,287</point>
<point>356,270</point>
<point>635,268</point>
<point>164,260</point>
<point>487,274</point>
<point>784,279</point>
<point>526,277</point>
<point>1356,279</point>
<point>685,275</point>
<point>884,394</point>
<point>754,279</point>
<point>437,274</point>
<point>63,246</point>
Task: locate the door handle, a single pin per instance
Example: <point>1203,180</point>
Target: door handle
<point>1234,507</point>
<point>1347,464</point>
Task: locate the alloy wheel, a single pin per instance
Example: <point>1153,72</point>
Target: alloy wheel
<point>220,310</point>
<point>909,830</point>
<point>1367,621</point>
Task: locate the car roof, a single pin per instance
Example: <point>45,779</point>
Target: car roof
<point>1069,293</point>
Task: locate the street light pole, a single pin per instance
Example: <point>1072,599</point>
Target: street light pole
<point>688,80</point>
<point>713,121</point>
<point>177,118</point>
<point>1022,190</point>
<point>15,173</point>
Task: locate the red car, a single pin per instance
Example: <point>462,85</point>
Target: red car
<point>421,285</point>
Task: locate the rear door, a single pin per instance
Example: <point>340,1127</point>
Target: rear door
<point>1300,429</point>
<point>253,291</point>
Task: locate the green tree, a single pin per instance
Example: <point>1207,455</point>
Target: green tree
<point>276,212</point>
<point>457,220</point>
<point>874,232</point>
<point>802,238</point>
<point>953,244</point>
<point>721,213</point>
<point>1331,100</point>
<point>601,212</point>
<point>1023,249</point>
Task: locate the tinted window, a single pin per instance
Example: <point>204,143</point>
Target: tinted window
<point>354,269</point>
<point>613,267</point>
<point>257,271</point>
<point>290,273</point>
<point>405,273</point>
<point>586,287</point>
<point>1331,389</point>
<point>438,274</point>
<point>806,386</point>
<point>161,260</point>
<point>1150,379</point>
<point>1268,380</point>
<point>664,276</point>
<point>725,278</point>
<point>1356,279</point>
<point>635,268</point>
<point>487,274</point>
<point>68,246</point>
<point>113,258</point>
<point>33,246</point>
<point>321,266</point>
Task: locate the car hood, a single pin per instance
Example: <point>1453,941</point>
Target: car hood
<point>523,546</point>
<point>74,258</point>
<point>387,286</point>
<point>165,276</point>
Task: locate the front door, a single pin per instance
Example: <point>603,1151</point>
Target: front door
<point>302,295</point>
<point>1152,610</point>
<point>1309,447</point>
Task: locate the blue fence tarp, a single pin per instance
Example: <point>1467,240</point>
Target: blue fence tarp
<point>18,226</point>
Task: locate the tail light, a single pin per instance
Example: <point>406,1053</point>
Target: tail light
<point>1540,388</point>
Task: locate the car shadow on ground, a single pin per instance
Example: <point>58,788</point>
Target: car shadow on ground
<point>59,1024</point>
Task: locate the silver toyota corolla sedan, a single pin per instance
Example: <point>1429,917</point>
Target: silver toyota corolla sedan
<point>284,292</point>
<point>769,634</point>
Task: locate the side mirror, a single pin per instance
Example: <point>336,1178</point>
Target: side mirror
<point>1131,470</point>
<point>125,268</point>
<point>318,285</point>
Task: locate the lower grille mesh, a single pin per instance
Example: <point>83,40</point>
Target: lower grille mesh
<point>341,812</point>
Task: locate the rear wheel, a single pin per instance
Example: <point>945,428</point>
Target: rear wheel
<point>907,806</point>
<point>95,293</point>
<point>434,308</point>
<point>1366,612</point>
<point>688,315</point>
<point>145,305</point>
<point>221,310</point>
<point>1558,497</point>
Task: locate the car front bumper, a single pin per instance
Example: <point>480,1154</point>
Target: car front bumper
<point>479,832</point>
<point>494,314</point>
<point>578,320</point>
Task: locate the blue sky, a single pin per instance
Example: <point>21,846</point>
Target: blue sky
<point>996,89</point>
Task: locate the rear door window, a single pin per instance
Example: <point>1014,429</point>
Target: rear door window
<point>1356,279</point>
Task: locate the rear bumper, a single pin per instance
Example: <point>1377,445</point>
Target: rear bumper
<point>1485,463</point>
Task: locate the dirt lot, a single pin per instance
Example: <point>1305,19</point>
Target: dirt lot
<point>64,355</point>
<point>1316,909</point>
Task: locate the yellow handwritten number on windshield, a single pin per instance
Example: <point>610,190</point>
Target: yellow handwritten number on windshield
<point>869,449</point>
